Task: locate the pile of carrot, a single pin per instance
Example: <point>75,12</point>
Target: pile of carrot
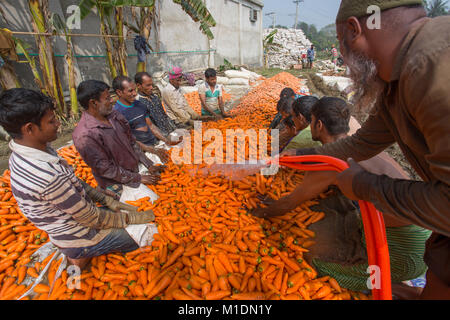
<point>82,170</point>
<point>194,102</point>
<point>208,247</point>
<point>19,239</point>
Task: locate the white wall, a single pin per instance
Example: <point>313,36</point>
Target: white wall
<point>235,39</point>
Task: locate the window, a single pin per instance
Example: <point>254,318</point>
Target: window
<point>253,15</point>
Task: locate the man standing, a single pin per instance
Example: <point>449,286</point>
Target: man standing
<point>334,54</point>
<point>395,71</point>
<point>104,140</point>
<point>177,107</point>
<point>311,54</point>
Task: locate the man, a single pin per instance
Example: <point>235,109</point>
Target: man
<point>153,103</point>
<point>146,133</point>
<point>177,107</point>
<point>301,116</point>
<point>285,95</point>
<point>211,96</point>
<point>394,67</point>
<point>47,190</point>
<point>339,234</point>
<point>311,54</point>
<point>334,54</point>
<point>104,140</point>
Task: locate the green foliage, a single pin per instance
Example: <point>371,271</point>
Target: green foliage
<point>196,9</point>
<point>322,39</point>
<point>227,65</point>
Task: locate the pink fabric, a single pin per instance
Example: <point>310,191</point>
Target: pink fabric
<point>175,73</point>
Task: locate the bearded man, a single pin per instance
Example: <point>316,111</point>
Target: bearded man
<point>401,73</point>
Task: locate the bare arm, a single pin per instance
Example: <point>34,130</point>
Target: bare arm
<point>312,186</point>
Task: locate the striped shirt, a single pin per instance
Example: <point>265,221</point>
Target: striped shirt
<point>53,198</point>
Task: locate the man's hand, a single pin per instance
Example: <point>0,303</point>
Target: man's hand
<point>345,179</point>
<point>175,142</point>
<point>260,212</point>
<point>150,179</point>
<point>109,193</point>
<point>267,200</point>
<point>115,205</point>
<point>155,170</point>
<point>141,217</point>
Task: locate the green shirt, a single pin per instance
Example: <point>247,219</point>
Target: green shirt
<point>303,140</point>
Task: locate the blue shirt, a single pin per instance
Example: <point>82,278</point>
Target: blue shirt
<point>136,115</point>
<point>311,53</point>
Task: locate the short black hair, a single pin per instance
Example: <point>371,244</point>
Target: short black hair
<point>139,77</point>
<point>20,106</point>
<point>286,105</point>
<point>209,73</point>
<point>334,114</point>
<point>118,81</point>
<point>90,89</point>
<point>303,106</point>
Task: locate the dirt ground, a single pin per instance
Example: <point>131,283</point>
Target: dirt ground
<point>64,137</point>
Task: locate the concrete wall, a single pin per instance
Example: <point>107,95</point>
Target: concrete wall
<point>236,39</point>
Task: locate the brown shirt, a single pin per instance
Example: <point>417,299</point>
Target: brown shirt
<point>415,112</point>
<point>110,150</point>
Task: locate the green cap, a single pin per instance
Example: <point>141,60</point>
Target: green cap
<point>358,8</point>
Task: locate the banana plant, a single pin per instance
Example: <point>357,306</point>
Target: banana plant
<point>60,26</point>
<point>21,48</point>
<point>269,45</point>
<point>108,27</point>
<point>196,9</point>
<point>51,80</point>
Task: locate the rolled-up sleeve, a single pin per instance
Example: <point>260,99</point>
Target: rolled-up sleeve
<point>61,193</point>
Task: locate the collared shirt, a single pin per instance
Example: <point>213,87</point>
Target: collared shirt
<point>52,197</point>
<point>310,53</point>
<point>211,97</point>
<point>177,107</point>
<point>110,150</point>
<point>157,114</point>
<point>415,113</point>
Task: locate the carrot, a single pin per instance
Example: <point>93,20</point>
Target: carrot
<point>174,256</point>
<point>335,285</point>
<point>322,293</point>
<point>249,296</point>
<point>160,286</point>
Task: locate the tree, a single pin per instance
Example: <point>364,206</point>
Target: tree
<point>436,8</point>
<point>60,26</point>
<point>279,26</point>
<point>196,9</point>
<point>51,81</point>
